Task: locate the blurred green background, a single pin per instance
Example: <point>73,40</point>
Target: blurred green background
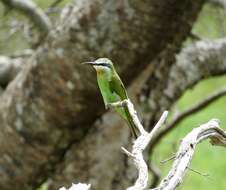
<point>210,25</point>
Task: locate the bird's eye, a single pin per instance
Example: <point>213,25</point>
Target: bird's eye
<point>104,64</point>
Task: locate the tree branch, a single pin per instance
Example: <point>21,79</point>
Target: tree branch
<point>78,186</point>
<point>219,3</point>
<point>179,117</point>
<point>195,62</point>
<point>33,12</point>
<point>50,105</point>
<point>183,157</point>
<point>198,61</point>
<point>140,144</point>
<point>186,150</point>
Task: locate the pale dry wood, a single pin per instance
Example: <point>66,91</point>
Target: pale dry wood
<point>183,157</point>
<point>186,150</point>
<point>140,144</point>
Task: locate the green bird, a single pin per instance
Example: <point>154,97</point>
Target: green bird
<point>112,88</point>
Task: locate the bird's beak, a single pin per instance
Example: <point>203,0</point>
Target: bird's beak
<point>89,63</point>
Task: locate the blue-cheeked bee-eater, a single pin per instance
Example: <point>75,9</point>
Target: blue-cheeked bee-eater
<point>112,88</point>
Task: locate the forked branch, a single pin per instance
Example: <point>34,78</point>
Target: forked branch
<point>183,157</point>
<point>140,144</point>
<point>186,150</point>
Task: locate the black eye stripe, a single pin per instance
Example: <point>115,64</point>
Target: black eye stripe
<point>104,64</point>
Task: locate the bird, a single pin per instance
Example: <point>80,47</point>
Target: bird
<point>112,88</point>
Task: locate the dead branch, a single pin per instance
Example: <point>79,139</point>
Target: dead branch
<point>186,150</point>
<point>33,12</point>
<point>140,144</point>
<point>78,186</point>
<point>183,157</point>
<point>179,117</point>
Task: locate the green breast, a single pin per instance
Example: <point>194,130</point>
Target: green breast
<point>105,90</point>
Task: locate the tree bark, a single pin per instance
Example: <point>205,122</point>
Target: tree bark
<point>53,102</point>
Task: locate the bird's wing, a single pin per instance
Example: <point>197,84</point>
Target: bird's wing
<point>116,86</point>
<point>107,94</point>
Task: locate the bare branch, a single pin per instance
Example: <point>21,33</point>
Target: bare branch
<point>78,186</point>
<point>139,144</point>
<point>183,158</point>
<point>179,117</point>
<point>184,155</point>
<point>34,13</point>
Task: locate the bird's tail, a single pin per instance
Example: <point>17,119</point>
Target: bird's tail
<point>131,123</point>
<point>124,112</point>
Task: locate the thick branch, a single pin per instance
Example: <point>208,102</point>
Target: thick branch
<point>184,155</point>
<point>200,60</point>
<point>33,12</point>
<point>55,93</point>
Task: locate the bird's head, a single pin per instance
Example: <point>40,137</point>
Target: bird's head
<point>101,65</point>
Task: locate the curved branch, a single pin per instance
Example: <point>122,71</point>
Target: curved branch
<point>179,117</point>
<point>33,12</point>
<point>198,61</point>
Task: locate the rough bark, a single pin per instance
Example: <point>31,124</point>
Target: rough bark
<point>53,101</point>
<point>198,61</point>
<point>71,169</point>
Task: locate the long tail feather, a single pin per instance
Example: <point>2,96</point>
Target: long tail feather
<point>124,112</point>
<point>131,123</point>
